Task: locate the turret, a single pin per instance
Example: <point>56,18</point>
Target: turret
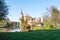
<point>21,21</point>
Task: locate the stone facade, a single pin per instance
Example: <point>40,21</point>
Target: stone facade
<point>29,21</point>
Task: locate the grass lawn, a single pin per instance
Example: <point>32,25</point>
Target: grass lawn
<point>33,35</point>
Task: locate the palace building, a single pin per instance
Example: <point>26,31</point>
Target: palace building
<point>28,20</point>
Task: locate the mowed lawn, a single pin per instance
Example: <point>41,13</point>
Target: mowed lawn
<point>33,35</point>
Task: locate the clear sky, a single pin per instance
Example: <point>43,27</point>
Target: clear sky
<point>34,8</point>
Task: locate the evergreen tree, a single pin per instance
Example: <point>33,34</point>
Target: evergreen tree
<point>3,9</point>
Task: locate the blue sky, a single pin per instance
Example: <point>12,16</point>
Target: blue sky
<point>34,8</point>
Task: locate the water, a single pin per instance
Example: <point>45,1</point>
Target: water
<point>15,30</point>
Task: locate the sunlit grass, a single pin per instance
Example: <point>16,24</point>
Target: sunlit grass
<point>40,28</point>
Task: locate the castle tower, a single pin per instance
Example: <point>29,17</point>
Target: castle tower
<point>21,21</point>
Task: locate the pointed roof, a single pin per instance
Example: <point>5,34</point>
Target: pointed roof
<point>21,13</point>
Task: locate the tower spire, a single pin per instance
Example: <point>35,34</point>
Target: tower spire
<point>21,21</point>
<point>21,14</point>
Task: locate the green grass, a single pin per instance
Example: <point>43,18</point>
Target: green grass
<point>33,35</point>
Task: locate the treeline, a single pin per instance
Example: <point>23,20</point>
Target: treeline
<point>52,18</point>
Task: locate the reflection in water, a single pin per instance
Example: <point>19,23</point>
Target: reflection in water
<point>15,30</point>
